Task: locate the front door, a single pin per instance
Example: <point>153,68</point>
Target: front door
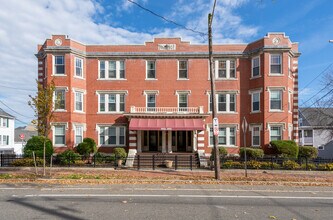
<point>181,141</point>
<point>153,140</point>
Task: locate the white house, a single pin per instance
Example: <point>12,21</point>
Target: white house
<point>7,127</point>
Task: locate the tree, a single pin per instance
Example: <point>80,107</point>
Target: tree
<point>42,104</point>
<point>36,144</point>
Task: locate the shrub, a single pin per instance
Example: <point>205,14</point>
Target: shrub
<point>286,149</point>
<point>307,152</point>
<point>252,164</point>
<point>68,156</point>
<point>325,166</point>
<point>101,158</point>
<point>87,147</point>
<point>311,166</point>
<point>290,165</point>
<point>223,152</point>
<point>36,144</point>
<point>252,153</point>
<point>232,164</point>
<point>120,153</point>
<point>27,162</point>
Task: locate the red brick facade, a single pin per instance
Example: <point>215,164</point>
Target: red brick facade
<point>111,98</point>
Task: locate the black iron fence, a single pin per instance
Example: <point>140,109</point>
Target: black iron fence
<point>170,161</point>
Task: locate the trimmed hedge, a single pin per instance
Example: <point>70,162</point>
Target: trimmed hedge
<point>87,147</point>
<point>286,149</point>
<point>307,152</point>
<point>252,152</point>
<point>36,144</point>
<point>223,152</point>
<point>27,162</point>
<point>120,153</point>
<point>68,156</point>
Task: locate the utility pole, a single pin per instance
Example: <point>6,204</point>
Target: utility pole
<point>213,97</point>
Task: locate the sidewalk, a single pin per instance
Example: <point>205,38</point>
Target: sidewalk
<point>80,175</point>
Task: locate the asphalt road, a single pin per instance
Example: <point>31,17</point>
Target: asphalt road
<point>31,201</point>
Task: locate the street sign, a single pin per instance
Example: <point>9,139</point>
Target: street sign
<point>21,136</point>
<point>216,126</point>
<point>244,125</point>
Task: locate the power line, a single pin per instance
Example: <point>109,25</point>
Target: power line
<point>14,110</point>
<point>166,19</point>
<point>9,87</point>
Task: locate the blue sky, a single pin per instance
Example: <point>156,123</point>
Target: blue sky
<point>26,23</point>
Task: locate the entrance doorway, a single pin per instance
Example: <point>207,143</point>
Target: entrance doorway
<point>153,140</point>
<point>182,141</point>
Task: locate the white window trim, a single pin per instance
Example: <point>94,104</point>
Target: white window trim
<point>98,129</point>
<point>281,63</point>
<point>252,134</point>
<point>83,93</point>
<point>82,68</point>
<point>151,92</point>
<point>54,98</point>
<point>227,69</point>
<point>53,66</point>
<point>179,93</point>
<point>276,124</point>
<point>75,126</point>
<point>107,70</point>
<point>290,98</point>
<point>115,92</point>
<point>255,77</point>
<point>227,126</point>
<point>282,89</point>
<point>53,124</point>
<point>154,69</point>
<point>187,73</point>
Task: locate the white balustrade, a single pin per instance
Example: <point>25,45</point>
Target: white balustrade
<point>167,110</point>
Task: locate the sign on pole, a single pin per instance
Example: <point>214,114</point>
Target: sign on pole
<point>216,126</point>
<point>21,136</point>
<point>244,125</point>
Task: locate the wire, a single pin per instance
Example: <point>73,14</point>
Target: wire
<point>14,110</point>
<point>166,19</point>
<point>8,87</point>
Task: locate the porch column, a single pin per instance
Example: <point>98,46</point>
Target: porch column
<point>169,141</point>
<point>164,142</point>
<point>132,148</point>
<point>138,137</point>
<point>194,141</point>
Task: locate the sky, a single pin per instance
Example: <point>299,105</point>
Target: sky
<point>26,23</point>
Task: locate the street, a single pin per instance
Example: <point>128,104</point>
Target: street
<point>43,201</point>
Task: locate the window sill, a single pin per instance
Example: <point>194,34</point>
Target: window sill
<point>59,145</point>
<point>150,79</point>
<point>183,79</point>
<point>276,111</point>
<point>79,112</point>
<point>58,75</point>
<point>77,77</point>
<point>107,113</point>
<point>255,112</point>
<point>276,74</point>
<point>255,77</point>
<point>60,110</point>
<point>111,79</point>
<point>228,113</point>
<point>226,79</point>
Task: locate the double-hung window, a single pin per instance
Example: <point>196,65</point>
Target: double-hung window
<point>59,135</point>
<point>79,101</point>
<point>255,135</point>
<point>151,102</point>
<point>275,132</point>
<point>111,102</point>
<point>59,65</point>
<point>182,100</point>
<point>226,69</point>
<point>59,99</point>
<point>276,64</point>
<point>256,67</point>
<point>4,122</point>
<point>112,135</point>
<point>226,102</point>
<point>226,137</point>
<point>111,69</point>
<point>78,67</point>
<point>182,69</point>
<point>151,69</point>
<point>78,134</point>
<point>255,107</point>
<point>275,100</point>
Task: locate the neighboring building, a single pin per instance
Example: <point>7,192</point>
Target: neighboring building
<point>316,129</point>
<point>7,126</point>
<point>22,135</point>
<point>155,97</point>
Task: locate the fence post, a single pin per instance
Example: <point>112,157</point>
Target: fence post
<point>272,163</point>
<point>69,160</point>
<point>306,163</point>
<point>153,161</point>
<point>94,160</point>
<point>176,162</point>
<point>1,160</point>
<point>191,161</point>
<point>138,162</point>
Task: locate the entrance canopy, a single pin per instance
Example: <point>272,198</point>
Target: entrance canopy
<point>170,124</point>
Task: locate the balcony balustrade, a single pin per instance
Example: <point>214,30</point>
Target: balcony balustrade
<point>167,110</point>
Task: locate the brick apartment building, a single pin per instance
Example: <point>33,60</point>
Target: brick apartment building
<point>155,97</point>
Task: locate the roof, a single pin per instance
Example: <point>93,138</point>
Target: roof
<point>28,132</point>
<point>316,117</point>
<point>5,114</point>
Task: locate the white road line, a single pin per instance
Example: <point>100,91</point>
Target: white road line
<point>180,196</point>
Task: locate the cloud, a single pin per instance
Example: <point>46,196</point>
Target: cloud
<point>85,21</point>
